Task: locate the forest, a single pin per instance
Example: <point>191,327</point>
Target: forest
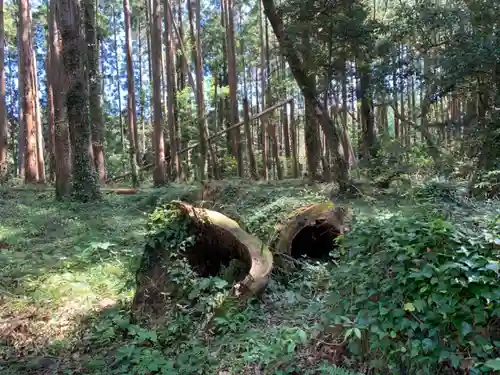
<point>249,187</point>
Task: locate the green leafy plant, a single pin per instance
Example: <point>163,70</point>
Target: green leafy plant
<point>425,293</point>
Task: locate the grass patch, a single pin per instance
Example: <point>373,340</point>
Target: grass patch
<point>59,261</point>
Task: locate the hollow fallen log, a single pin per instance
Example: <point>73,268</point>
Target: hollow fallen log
<point>261,258</point>
<point>311,231</point>
<point>217,240</point>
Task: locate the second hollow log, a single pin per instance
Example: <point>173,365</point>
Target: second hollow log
<point>311,231</point>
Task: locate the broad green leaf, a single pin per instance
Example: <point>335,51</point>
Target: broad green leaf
<point>409,306</point>
<point>493,364</point>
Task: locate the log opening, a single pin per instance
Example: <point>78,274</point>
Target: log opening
<point>214,249</point>
<point>315,241</point>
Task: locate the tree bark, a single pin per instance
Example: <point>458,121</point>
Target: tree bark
<point>293,136</point>
<point>286,126</point>
<point>251,156</point>
<point>311,128</point>
<point>50,114</point>
<point>196,54</point>
<point>131,109</point>
<point>118,78</point>
<point>27,99</point>
<point>61,129</point>
<point>21,149</point>
<point>171,93</point>
<point>263,121</point>
<point>233,82</point>
<point>159,171</point>
<point>4,125</point>
<point>85,185</point>
<point>367,111</point>
<point>271,124</point>
<point>96,117</point>
<point>38,122</point>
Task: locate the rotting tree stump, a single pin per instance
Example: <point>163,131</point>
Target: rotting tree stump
<point>218,240</point>
<point>311,231</point>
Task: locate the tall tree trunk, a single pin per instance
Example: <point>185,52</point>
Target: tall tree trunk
<point>286,131</point>
<point>200,105</point>
<point>118,79</point>
<point>251,156</point>
<point>150,69</point>
<point>159,171</point>
<point>271,123</point>
<point>38,121</point>
<point>13,124</point>
<point>131,108</point>
<point>85,184</point>
<point>246,116</point>
<point>4,127</point>
<point>395,85</point>
<point>21,149</point>
<point>59,83</point>
<point>180,67</point>
<point>231,143</point>
<point>312,137</point>
<point>403,126</point>
<point>368,117</point>
<point>311,128</point>
<point>75,56</point>
<point>26,76</point>
<point>50,110</point>
<point>171,93</point>
<point>233,83</point>
<point>142,92</point>
<point>263,119</point>
<point>345,110</point>
<point>96,117</point>
<point>293,135</point>
<point>309,92</point>
<point>181,84</point>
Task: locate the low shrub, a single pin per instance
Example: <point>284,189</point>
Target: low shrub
<point>420,294</point>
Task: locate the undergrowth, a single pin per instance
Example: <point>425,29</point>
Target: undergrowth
<point>424,295</point>
<point>416,291</point>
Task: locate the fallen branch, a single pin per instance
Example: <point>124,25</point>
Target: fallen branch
<point>239,124</point>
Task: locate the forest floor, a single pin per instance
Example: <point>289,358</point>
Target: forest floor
<point>67,276</point>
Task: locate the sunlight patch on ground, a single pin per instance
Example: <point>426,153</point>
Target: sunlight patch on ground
<point>83,287</point>
<point>59,262</point>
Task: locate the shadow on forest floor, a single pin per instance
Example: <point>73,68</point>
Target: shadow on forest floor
<point>59,260</point>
